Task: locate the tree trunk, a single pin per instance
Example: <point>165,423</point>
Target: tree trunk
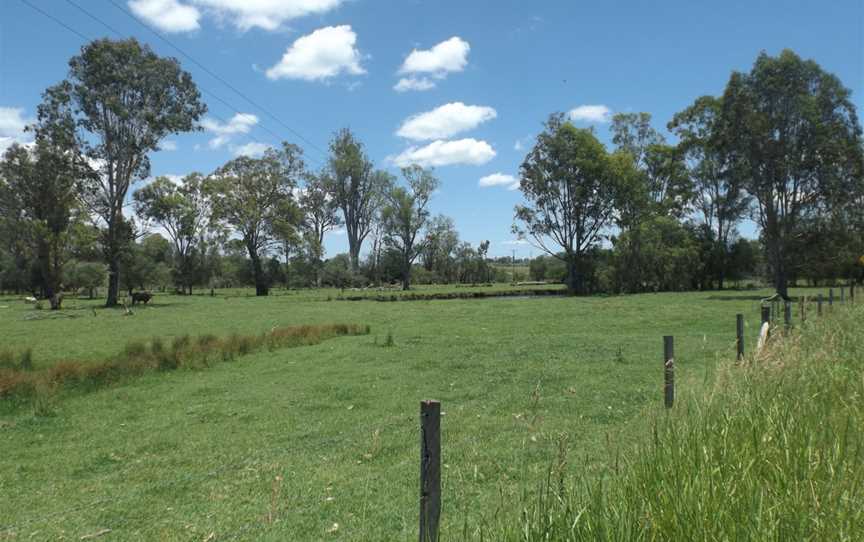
<point>572,275</point>
<point>353,249</point>
<point>113,282</point>
<point>406,274</point>
<point>261,286</point>
<point>781,281</point>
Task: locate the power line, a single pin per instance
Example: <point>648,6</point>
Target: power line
<point>56,20</point>
<point>220,79</point>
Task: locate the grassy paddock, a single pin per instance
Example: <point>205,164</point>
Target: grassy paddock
<point>772,451</point>
<point>322,442</point>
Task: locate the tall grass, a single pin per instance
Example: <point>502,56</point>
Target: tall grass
<point>18,380</point>
<point>774,450</point>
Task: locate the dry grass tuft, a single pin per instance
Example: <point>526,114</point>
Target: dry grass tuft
<point>19,383</point>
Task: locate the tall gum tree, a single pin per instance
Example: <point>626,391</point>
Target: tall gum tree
<point>252,197</point>
<point>129,99</point>
<point>44,180</point>
<point>719,192</point>
<point>406,214</point>
<point>793,134</point>
<point>183,212</point>
<point>356,187</point>
<point>571,187</point>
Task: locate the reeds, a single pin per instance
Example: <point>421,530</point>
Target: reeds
<point>19,381</point>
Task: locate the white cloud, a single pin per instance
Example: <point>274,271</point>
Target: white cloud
<point>515,242</point>
<point>522,144</point>
<point>168,145</point>
<point>324,53</point>
<point>499,179</point>
<point>445,121</point>
<point>253,149</point>
<point>447,56</point>
<point>265,14</point>
<point>414,83</point>
<point>445,153</point>
<point>167,15</point>
<point>241,123</point>
<point>12,124</point>
<point>590,113</point>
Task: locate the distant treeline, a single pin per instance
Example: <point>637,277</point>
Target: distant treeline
<point>782,146</point>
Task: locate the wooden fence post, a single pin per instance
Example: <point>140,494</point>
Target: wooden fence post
<point>804,301</point>
<point>787,315</point>
<point>842,295</point>
<point>830,297</point>
<point>766,316</point>
<point>852,293</point>
<point>430,470</point>
<point>819,305</point>
<point>669,371</point>
<point>739,332</point>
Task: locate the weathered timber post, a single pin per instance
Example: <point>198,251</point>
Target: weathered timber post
<point>819,305</point>
<point>669,371</point>
<point>739,332</point>
<point>842,295</point>
<point>430,470</point>
<point>830,297</point>
<point>787,315</point>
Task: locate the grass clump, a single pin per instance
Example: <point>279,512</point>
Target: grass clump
<point>773,451</point>
<point>18,380</point>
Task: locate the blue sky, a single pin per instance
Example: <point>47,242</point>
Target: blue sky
<point>502,65</point>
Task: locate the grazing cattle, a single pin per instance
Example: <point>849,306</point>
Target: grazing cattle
<point>141,297</point>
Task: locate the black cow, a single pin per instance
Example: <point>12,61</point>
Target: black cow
<point>142,297</point>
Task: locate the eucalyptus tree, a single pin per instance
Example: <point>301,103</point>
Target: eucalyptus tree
<point>405,215</point>
<point>252,197</point>
<point>793,134</point>
<point>666,188</point>
<point>44,180</point>
<point>439,247</point>
<point>719,191</point>
<point>320,215</point>
<point>183,212</point>
<point>356,187</point>
<point>128,99</point>
<point>572,187</point>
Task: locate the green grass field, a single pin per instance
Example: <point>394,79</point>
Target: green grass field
<point>321,442</point>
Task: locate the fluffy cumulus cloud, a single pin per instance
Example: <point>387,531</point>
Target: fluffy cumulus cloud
<point>241,123</point>
<point>499,179</point>
<point>446,57</point>
<point>167,15</point>
<point>445,121</point>
<point>446,153</point>
<point>253,149</point>
<point>265,14</point>
<point>590,113</point>
<point>12,124</point>
<point>184,16</point>
<point>323,54</point>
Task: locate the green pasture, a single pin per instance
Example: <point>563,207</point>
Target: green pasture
<point>321,442</point>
